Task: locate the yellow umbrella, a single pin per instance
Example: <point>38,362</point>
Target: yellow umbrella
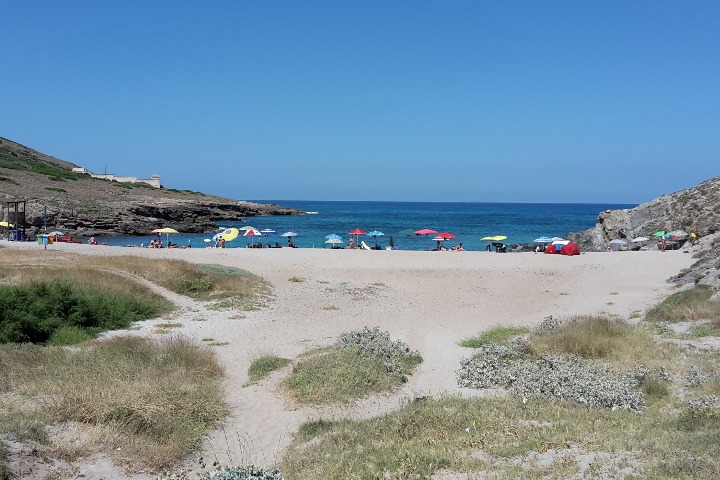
<point>229,234</point>
<point>496,238</point>
<point>6,224</point>
<point>167,231</point>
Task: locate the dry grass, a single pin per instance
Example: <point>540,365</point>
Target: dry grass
<point>151,402</point>
<point>599,337</point>
<point>692,304</point>
<point>226,286</point>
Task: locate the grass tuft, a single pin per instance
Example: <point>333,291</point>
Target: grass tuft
<point>499,335</point>
<point>692,304</point>
<point>596,337</point>
<point>264,366</point>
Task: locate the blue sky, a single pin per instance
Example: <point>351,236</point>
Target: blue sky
<point>521,101</point>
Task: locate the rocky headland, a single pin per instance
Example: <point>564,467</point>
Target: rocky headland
<point>78,204</point>
<point>697,206</point>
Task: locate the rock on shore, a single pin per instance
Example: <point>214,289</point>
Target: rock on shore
<point>699,205</point>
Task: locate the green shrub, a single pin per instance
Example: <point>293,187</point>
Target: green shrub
<point>34,313</point>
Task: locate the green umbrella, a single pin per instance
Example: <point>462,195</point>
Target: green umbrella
<point>661,233</point>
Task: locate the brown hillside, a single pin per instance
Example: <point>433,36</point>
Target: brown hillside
<point>79,204</point>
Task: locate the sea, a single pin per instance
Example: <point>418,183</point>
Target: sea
<point>469,222</point>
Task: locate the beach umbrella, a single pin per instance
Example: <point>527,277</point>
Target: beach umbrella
<point>618,241</point>
<point>289,234</point>
<point>6,224</point>
<point>56,234</point>
<point>543,240</point>
<point>439,238</point>
<point>268,231</point>
<point>167,231</point>
<point>252,233</point>
<point>640,239</point>
<point>334,241</point>
<point>333,235</point>
<point>425,231</point>
<point>446,235</point>
<point>375,234</point>
<point>660,233</point>
<point>356,232</point>
<point>407,232</point>
<point>229,234</point>
<point>495,238</point>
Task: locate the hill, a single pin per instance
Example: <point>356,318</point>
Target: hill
<point>79,204</point>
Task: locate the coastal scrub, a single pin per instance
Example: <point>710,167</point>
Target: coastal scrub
<point>360,363</point>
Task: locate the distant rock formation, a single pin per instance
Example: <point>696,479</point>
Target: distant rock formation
<point>78,204</point>
<point>699,205</point>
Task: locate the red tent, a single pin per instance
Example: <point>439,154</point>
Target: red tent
<point>568,249</point>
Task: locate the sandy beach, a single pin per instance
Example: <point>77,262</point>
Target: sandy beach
<point>431,300</point>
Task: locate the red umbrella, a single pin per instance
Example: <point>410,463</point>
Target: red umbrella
<point>425,231</point>
<point>446,235</point>
<point>357,232</point>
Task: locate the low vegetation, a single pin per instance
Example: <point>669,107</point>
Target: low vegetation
<point>494,335</point>
<point>264,366</point>
<point>361,363</point>
<point>148,402</point>
<point>59,312</point>
<point>691,304</point>
<point>534,436</point>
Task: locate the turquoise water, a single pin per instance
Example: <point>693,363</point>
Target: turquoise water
<point>469,222</point>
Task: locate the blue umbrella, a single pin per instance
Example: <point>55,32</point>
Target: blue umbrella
<point>268,231</point>
<point>375,233</point>
<point>332,235</point>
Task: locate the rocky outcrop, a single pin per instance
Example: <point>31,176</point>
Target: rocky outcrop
<point>78,204</point>
<point>697,206</point>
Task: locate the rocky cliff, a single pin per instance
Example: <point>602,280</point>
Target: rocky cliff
<point>81,205</point>
<point>699,205</point>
